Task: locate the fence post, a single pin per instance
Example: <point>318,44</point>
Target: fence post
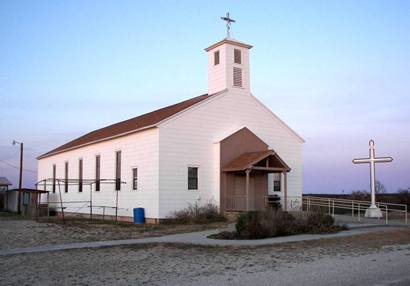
<point>358,211</point>
<point>405,216</point>
<point>333,207</point>
<point>378,205</point>
<point>328,204</point>
<point>352,208</point>
<point>386,215</point>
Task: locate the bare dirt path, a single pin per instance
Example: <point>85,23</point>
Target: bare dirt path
<point>183,264</point>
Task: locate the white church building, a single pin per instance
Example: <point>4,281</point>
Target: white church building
<point>224,146</point>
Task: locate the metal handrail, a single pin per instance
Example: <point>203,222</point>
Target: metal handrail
<point>354,205</point>
<point>353,202</point>
<point>348,200</point>
<point>108,207</point>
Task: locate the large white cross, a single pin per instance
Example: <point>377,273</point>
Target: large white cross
<point>373,210</point>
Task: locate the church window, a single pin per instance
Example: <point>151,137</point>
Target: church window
<point>192,178</point>
<point>54,178</point>
<point>118,170</point>
<point>216,58</point>
<point>80,175</point>
<point>97,173</point>
<point>135,178</point>
<point>66,177</point>
<point>276,182</point>
<point>237,56</point>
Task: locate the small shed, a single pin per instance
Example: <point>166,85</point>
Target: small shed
<point>4,186</point>
<point>31,203</point>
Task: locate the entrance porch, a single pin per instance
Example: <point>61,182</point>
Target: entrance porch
<point>247,182</point>
<point>245,164</point>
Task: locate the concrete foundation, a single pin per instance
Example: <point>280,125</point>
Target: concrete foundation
<point>373,212</point>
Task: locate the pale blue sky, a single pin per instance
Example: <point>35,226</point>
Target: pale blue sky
<point>338,72</point>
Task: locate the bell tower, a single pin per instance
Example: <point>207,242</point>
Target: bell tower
<point>228,64</point>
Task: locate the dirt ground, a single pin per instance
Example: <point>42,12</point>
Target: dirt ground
<point>158,264</point>
<point>16,232</point>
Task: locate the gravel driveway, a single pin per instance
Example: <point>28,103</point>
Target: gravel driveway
<point>188,265</point>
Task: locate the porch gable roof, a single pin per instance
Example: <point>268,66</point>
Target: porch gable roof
<point>248,160</point>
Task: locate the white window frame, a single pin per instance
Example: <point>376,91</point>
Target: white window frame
<point>280,183</point>
<point>187,178</point>
<point>80,190</point>
<point>115,168</point>
<point>219,57</point>
<point>132,178</point>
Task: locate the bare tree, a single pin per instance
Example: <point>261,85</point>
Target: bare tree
<point>359,195</point>
<point>364,194</point>
<point>380,188</point>
<point>404,196</point>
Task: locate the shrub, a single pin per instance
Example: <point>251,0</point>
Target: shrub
<point>283,223</point>
<point>196,213</point>
<point>268,223</point>
<point>252,225</point>
<point>318,222</point>
<point>271,223</point>
<point>319,219</point>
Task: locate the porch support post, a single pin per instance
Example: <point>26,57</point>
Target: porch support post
<point>285,190</point>
<point>247,188</point>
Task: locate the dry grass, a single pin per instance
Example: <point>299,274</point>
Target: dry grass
<point>17,232</point>
<point>197,213</point>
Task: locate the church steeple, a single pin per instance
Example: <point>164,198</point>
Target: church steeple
<point>228,64</point>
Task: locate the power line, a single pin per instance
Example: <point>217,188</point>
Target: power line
<point>13,166</point>
<point>13,155</point>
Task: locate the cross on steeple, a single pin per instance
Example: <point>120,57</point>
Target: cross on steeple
<point>228,24</point>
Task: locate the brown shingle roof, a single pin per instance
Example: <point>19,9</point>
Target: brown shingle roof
<point>247,160</point>
<point>127,126</point>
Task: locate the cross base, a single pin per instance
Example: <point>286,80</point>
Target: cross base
<point>373,212</point>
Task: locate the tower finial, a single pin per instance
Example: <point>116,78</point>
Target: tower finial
<point>228,24</point>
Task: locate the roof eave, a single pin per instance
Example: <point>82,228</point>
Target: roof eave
<point>228,41</point>
<point>96,141</point>
<point>191,107</point>
<point>256,160</point>
<point>51,153</point>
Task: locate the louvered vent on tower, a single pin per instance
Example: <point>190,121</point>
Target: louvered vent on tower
<point>237,77</point>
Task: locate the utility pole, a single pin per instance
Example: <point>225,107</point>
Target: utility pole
<point>21,175</point>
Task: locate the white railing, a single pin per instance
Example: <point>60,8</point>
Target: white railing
<point>354,207</point>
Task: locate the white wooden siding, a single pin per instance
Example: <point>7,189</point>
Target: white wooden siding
<point>139,149</point>
<point>220,76</point>
<point>163,155</point>
<point>189,139</point>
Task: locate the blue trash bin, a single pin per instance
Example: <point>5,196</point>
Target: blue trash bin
<point>139,215</point>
